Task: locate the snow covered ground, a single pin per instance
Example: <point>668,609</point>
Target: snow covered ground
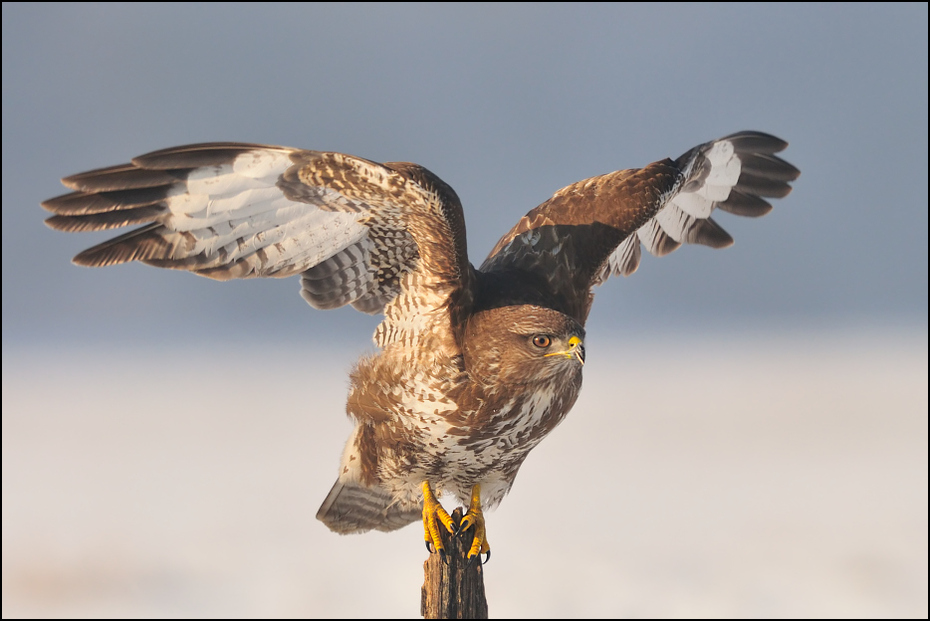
<point>781,476</point>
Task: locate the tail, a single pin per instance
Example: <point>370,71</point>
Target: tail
<point>352,507</point>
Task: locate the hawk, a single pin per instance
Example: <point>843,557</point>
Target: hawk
<point>475,366</point>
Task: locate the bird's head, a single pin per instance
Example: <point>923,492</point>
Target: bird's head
<point>523,344</point>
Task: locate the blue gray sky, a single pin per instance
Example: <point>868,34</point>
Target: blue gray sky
<point>507,103</point>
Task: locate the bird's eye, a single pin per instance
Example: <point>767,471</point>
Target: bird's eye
<point>542,341</point>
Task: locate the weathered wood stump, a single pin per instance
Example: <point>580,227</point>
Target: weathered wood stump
<point>453,589</point>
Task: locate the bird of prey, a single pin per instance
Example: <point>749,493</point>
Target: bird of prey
<point>475,366</point>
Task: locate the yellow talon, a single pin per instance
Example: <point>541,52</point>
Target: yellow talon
<point>475,517</point>
<point>432,514</point>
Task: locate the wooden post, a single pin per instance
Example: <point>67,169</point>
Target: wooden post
<point>453,589</point>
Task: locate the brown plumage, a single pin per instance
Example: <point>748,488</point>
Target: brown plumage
<point>476,366</point>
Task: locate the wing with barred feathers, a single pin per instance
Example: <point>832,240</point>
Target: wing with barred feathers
<point>351,227</point>
<point>594,228</point>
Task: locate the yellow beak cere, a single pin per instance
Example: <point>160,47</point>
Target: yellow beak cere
<point>575,350</point>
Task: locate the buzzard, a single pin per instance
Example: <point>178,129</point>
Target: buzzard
<point>475,366</point>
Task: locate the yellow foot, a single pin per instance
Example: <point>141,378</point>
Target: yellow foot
<point>475,517</point>
<point>433,515</point>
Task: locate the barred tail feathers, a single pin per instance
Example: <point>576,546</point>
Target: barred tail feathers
<point>354,506</point>
<point>351,507</point>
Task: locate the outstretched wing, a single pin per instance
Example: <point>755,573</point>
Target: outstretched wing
<point>354,229</point>
<point>594,228</point>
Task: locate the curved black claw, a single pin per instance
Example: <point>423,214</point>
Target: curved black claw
<point>477,557</point>
<point>460,530</point>
<point>442,553</point>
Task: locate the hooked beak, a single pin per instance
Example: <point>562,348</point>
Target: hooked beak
<point>575,350</point>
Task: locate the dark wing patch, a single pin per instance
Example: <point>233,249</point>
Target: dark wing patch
<point>564,242</point>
